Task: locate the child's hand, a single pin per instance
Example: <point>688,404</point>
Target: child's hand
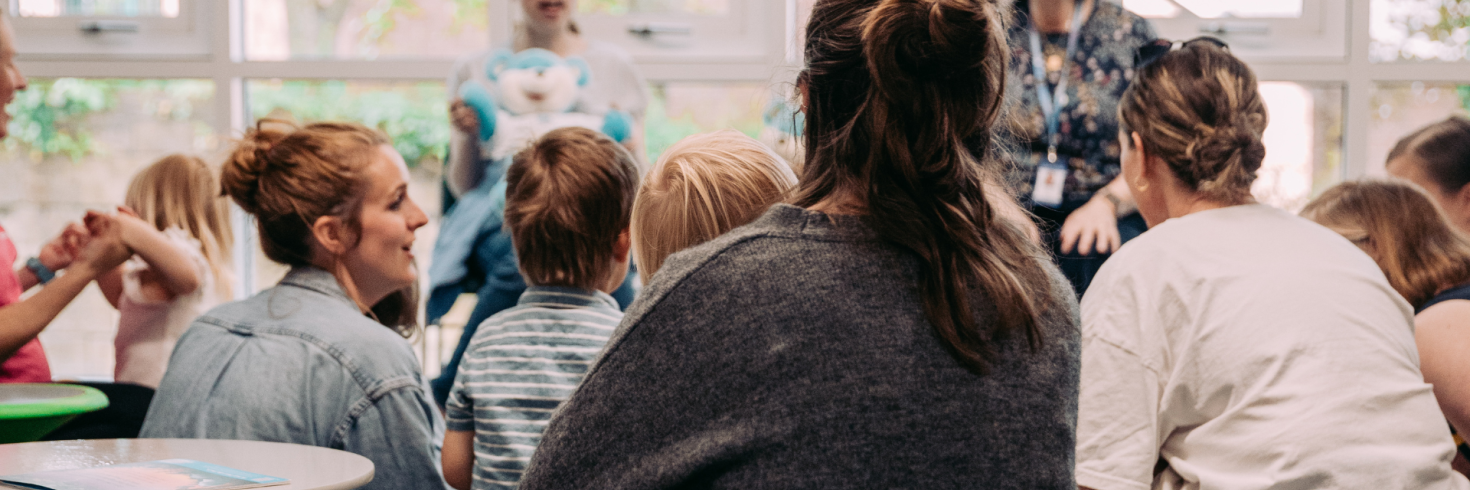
<point>62,250</point>
<point>130,224</point>
<point>127,211</point>
<point>105,250</point>
<point>463,117</point>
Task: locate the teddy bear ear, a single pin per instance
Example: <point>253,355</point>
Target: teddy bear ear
<point>499,60</point>
<point>582,67</point>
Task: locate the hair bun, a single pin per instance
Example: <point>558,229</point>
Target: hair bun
<point>917,41</point>
<point>1224,144</point>
<point>1229,156</point>
<point>251,159</point>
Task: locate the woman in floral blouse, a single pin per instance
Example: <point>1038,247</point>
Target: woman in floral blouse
<point>1066,124</point>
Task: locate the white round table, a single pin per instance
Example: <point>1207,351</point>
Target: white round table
<point>308,467</point>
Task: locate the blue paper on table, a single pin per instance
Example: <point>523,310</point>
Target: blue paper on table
<point>167,474</point>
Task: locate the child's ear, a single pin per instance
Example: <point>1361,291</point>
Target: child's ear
<point>332,234</point>
<point>623,246</point>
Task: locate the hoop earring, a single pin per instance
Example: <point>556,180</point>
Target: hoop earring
<point>1140,185</point>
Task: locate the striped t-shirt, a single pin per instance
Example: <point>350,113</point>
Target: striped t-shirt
<point>521,364</point>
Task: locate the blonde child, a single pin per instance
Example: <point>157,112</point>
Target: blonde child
<point>702,187</point>
<point>178,228</point>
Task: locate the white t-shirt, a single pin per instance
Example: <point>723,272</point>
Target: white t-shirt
<point>1251,349</point>
<point>147,330</point>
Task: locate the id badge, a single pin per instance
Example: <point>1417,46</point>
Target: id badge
<point>1051,179</point>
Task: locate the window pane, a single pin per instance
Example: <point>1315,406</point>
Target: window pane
<point>414,114</point>
<point>74,145</point>
<point>1216,9</point>
<point>621,7</point>
<point>1419,30</point>
<point>1303,143</point>
<point>364,29</point>
<point>682,109</point>
<point>1401,108</point>
<point>107,8</point>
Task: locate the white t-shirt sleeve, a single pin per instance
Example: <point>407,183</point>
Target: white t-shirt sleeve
<point>1120,392</point>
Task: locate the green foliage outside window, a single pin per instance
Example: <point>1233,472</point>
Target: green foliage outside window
<point>47,119</point>
<point>414,115</point>
<point>1424,30</point>
<point>52,117</point>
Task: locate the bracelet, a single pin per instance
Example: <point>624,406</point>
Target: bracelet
<point>43,274</point>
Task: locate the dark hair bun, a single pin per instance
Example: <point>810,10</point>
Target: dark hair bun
<point>923,41</point>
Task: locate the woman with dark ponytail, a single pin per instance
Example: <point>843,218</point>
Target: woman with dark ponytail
<point>887,329</point>
<point>1234,345</point>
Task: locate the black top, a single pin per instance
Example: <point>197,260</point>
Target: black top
<point>1458,292</point>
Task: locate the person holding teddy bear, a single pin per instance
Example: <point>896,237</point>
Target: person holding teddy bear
<point>480,257</point>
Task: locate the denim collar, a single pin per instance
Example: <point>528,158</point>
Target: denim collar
<point>567,297</point>
<point>315,279</point>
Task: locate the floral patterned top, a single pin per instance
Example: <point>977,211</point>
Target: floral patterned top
<point>1100,71</point>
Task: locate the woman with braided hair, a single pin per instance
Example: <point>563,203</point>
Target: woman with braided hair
<point>886,329</point>
<point>1234,345</point>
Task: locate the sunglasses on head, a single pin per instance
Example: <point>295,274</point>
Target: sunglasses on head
<point>1151,52</point>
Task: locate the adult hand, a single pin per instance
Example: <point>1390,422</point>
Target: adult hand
<point>105,249</point>
<point>62,250</point>
<point>463,117</point>
<point>1094,226</point>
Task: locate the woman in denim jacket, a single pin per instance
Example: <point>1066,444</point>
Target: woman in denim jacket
<point>321,358</point>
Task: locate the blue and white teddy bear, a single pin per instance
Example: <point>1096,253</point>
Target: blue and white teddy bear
<point>534,92</point>
<point>531,93</point>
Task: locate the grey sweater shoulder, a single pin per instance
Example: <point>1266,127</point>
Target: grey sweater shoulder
<point>794,353</point>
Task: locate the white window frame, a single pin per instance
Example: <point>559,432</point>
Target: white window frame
<point>1319,34</point>
<point>186,36</point>
<point>1359,77</point>
<point>747,44</point>
<point>1308,56</point>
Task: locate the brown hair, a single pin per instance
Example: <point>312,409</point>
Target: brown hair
<point>288,178</point>
<point>702,187</point>
<point>1443,151</point>
<point>179,191</point>
<point>1403,229</point>
<point>902,98</point>
<point>567,199</point>
<point>1198,109</point>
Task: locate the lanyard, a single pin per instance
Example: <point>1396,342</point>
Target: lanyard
<point>1051,104</point>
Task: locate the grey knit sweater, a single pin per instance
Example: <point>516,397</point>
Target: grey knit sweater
<point>794,353</point>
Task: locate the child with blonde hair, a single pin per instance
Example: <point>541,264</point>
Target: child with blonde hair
<point>177,225</point>
<point>703,186</point>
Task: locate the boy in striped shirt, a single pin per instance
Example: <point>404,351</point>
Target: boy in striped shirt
<point>569,199</point>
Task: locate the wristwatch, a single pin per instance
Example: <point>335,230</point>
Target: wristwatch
<point>43,273</point>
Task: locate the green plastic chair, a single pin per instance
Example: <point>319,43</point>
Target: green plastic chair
<point>31,410</point>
